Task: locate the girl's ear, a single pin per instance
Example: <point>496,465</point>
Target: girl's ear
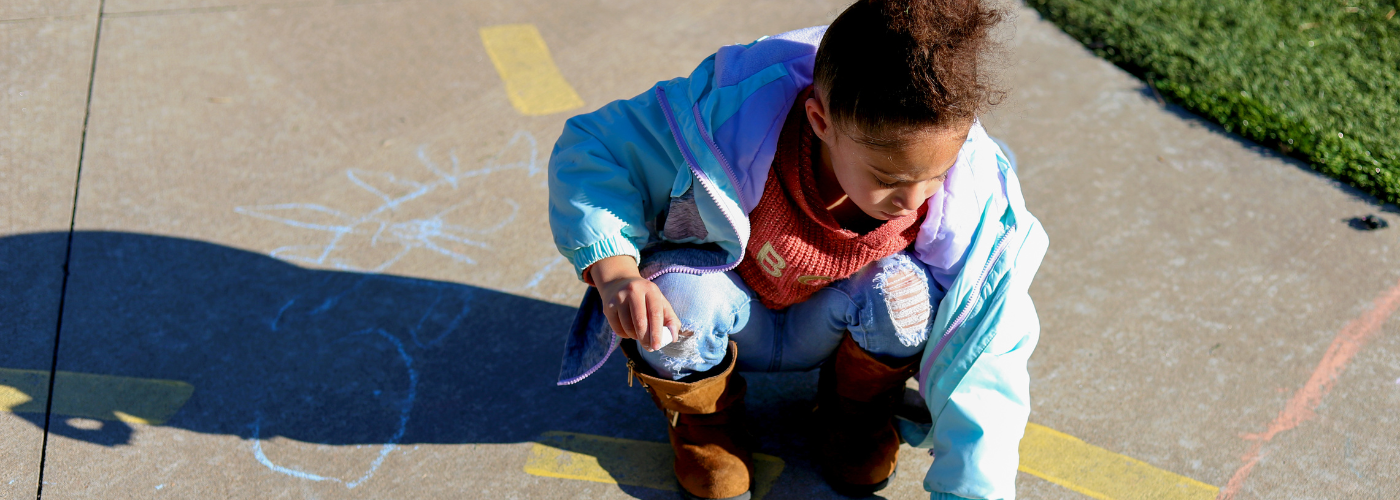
<point>816,115</point>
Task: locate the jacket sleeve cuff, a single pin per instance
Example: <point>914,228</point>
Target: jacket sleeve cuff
<point>586,256</point>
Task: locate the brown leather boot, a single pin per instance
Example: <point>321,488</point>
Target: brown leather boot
<point>713,450</point>
<point>856,399</point>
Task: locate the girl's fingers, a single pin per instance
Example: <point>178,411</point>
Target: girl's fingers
<point>642,313</point>
<point>656,318</point>
<point>619,315</point>
<point>637,308</point>
<point>615,323</point>
<point>673,322</point>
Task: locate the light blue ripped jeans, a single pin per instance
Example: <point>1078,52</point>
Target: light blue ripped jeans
<point>887,306</point>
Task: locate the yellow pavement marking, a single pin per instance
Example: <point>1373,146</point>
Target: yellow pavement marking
<point>569,455</point>
<point>1070,462</point>
<point>105,397</point>
<point>533,82</point>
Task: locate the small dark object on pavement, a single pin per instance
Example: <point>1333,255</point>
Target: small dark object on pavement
<point>1370,222</point>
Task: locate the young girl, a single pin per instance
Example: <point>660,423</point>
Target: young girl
<point>821,198</point>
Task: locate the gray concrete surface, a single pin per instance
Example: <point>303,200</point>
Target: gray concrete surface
<point>44,68</point>
<point>1193,283</point>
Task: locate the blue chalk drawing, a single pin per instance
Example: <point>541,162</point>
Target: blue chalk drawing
<point>447,299</point>
<point>461,314</point>
<point>405,409</point>
<point>280,312</point>
<point>393,223</point>
<point>539,275</point>
<point>384,223</point>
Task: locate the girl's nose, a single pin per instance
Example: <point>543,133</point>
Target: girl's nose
<point>904,202</point>
<point>911,198</point>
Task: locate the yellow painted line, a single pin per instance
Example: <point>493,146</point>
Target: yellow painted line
<point>533,82</point>
<point>1070,462</point>
<point>568,455</point>
<point>104,397</point>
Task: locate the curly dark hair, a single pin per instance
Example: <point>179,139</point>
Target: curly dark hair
<point>887,68</point>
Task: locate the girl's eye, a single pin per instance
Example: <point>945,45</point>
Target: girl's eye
<point>884,184</point>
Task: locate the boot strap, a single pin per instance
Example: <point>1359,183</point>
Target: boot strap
<point>632,373</point>
<point>721,418</point>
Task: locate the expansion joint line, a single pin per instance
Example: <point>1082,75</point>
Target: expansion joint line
<point>68,252</point>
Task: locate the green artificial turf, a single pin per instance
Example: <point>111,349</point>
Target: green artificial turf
<point>1318,79</point>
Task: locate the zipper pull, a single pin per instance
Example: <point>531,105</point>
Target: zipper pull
<point>630,372</point>
<point>675,415</point>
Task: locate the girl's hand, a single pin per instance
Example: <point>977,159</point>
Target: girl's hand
<point>634,306</point>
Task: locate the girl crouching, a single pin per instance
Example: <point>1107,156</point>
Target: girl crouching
<point>821,198</point>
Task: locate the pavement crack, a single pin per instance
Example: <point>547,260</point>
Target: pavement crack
<point>68,254</point>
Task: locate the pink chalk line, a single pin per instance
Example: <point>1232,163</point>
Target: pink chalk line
<point>1300,407</point>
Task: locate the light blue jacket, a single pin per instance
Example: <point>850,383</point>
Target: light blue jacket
<point>686,161</point>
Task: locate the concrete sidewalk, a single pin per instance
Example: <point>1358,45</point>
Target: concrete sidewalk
<point>310,259</point>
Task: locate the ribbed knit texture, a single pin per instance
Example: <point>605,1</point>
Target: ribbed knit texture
<point>796,247</point>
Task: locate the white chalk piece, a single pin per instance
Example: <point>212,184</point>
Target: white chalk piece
<point>666,337</point>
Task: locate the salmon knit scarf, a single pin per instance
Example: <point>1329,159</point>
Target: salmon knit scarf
<point>796,247</point>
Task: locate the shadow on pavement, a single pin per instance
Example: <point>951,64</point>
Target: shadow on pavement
<point>332,357</point>
<point>317,356</point>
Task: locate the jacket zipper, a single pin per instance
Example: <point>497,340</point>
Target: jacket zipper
<point>723,162</point>
<point>695,167</point>
<point>997,250</point>
<point>611,347</point>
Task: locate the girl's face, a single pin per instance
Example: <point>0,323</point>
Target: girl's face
<point>886,184</point>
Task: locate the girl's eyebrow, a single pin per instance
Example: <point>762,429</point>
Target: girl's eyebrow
<point>903,179</point>
<point>896,177</point>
